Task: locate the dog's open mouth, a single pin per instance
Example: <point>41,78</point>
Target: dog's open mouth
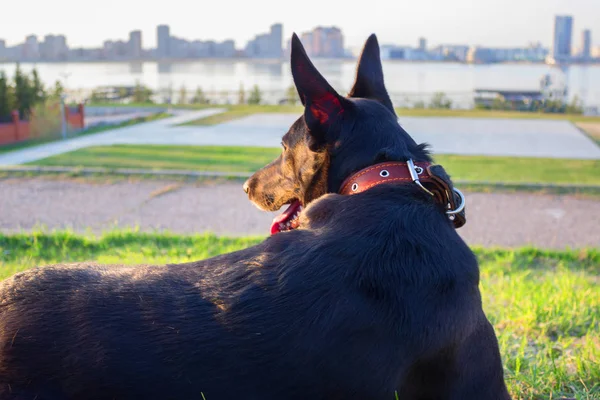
<point>289,219</point>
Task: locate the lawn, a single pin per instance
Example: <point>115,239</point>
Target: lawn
<point>545,306</point>
<point>204,158</point>
<point>592,129</point>
<point>239,111</point>
<point>249,159</point>
<point>89,131</point>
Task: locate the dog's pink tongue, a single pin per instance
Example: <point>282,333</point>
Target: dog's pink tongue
<point>281,219</point>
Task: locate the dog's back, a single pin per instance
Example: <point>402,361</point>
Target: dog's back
<point>342,308</point>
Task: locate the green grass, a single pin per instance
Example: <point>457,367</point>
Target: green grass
<point>427,112</point>
<point>545,305</point>
<point>249,159</point>
<point>521,169</point>
<point>205,158</point>
<point>591,129</point>
<point>240,111</point>
<point>96,129</point>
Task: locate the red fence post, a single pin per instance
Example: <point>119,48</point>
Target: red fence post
<point>15,118</point>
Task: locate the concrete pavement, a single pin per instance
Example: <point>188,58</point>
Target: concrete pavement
<point>493,219</point>
<point>447,135</point>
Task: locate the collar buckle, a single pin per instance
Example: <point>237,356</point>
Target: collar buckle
<point>415,176</point>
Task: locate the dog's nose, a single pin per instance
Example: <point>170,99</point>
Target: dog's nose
<point>247,186</point>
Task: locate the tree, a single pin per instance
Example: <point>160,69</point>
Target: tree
<point>23,93</point>
<point>5,98</point>
<point>168,96</point>
<point>97,97</point>
<point>500,104</point>
<point>440,100</point>
<point>57,91</point>
<point>419,104</point>
<point>142,94</point>
<point>123,93</point>
<point>183,95</point>
<point>292,95</point>
<point>199,97</point>
<point>575,106</point>
<point>241,95</point>
<point>37,88</point>
<point>255,95</point>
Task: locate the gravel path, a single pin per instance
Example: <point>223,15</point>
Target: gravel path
<point>495,219</point>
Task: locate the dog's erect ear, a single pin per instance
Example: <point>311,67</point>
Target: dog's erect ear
<point>369,75</point>
<point>323,106</point>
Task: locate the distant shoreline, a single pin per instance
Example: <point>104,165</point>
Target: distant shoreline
<point>216,60</point>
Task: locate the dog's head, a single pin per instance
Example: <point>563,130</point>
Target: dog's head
<point>335,137</point>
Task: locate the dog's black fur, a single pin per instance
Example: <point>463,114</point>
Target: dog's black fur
<point>374,294</point>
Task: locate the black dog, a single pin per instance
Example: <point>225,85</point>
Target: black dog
<point>373,296</point>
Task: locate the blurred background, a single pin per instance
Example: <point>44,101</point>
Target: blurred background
<point>519,54</point>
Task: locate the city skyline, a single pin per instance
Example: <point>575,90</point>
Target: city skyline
<point>463,21</point>
<point>321,41</point>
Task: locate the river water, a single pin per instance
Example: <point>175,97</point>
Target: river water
<point>407,82</point>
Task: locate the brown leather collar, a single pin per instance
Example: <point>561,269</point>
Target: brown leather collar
<point>428,176</point>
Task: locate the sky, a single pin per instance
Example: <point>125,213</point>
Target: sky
<point>501,23</point>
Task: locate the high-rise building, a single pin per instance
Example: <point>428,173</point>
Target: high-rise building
<point>225,49</point>
<point>563,32</point>
<point>307,41</point>
<point>586,44</point>
<point>118,49</point>
<point>276,45</point>
<point>31,48</point>
<point>267,45</point>
<point>451,52</point>
<point>163,33</point>
<point>62,47</point>
<point>422,44</point>
<point>135,44</point>
<point>54,48</point>
<point>2,49</point>
<point>179,48</point>
<point>47,48</point>
<point>324,42</point>
<point>108,49</point>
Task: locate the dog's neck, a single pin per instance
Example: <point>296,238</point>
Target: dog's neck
<point>428,178</point>
<point>387,172</point>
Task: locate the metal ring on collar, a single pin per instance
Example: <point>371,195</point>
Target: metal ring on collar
<point>461,206</point>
